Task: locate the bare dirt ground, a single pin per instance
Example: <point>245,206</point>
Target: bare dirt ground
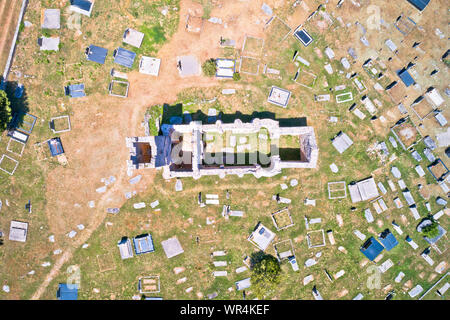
<point>96,146</point>
<point>9,12</point>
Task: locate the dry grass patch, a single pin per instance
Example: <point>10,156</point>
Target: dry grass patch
<point>282,219</point>
<point>276,30</point>
<point>249,65</point>
<point>15,147</point>
<point>252,46</point>
<point>106,262</point>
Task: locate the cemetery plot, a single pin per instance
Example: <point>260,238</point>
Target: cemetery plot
<point>384,80</point>
<point>284,249</point>
<point>8,164</point>
<point>26,124</point>
<point>337,190</point>
<point>405,25</point>
<point>282,219</point>
<point>438,170</point>
<point>279,96</point>
<point>271,72</point>
<point>406,133</point>
<point>194,24</point>
<point>106,262</point>
<point>119,88</point>
<point>249,65</point>
<point>397,92</point>
<point>42,150</point>
<point>303,36</point>
<point>374,69</point>
<point>187,217</point>
<point>15,146</point>
<point>252,46</point>
<point>316,239</point>
<point>306,79</point>
<point>359,113</point>
<point>73,72</point>
<point>359,84</point>
<point>150,284</point>
<point>60,124</point>
<point>379,205</point>
<point>422,109</point>
<point>277,30</point>
<point>344,97</point>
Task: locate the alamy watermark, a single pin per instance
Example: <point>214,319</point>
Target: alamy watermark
<point>229,149</point>
<point>74,20</point>
<point>374,279</point>
<point>374,18</point>
<point>74,277</point>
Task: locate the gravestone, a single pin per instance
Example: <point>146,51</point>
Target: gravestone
<point>178,185</point>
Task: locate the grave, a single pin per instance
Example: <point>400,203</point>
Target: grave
<point>118,88</point>
<point>282,219</point>
<point>284,249</point>
<point>337,190</point>
<point>261,237</point>
<point>303,36</point>
<point>308,279</point>
<point>279,96</point>
<point>172,247</point>
<point>316,239</point>
<point>149,284</point>
<point>18,231</point>
<point>341,142</point>
<point>8,164</point>
<point>189,66</point>
<point>149,65</point>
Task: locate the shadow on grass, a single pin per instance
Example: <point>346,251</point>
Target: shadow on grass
<point>173,114</point>
<point>17,95</point>
<point>257,257</point>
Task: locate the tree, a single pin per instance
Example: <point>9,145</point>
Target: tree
<point>5,110</point>
<point>266,275</point>
<point>236,76</point>
<point>431,231</point>
<point>209,68</point>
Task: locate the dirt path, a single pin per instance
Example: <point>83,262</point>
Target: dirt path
<point>95,147</point>
<point>6,26</point>
<point>78,242</point>
<point>2,8</point>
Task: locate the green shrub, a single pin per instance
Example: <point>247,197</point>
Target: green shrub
<point>236,76</point>
<point>431,231</point>
<point>5,110</point>
<point>209,68</point>
<point>265,277</point>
